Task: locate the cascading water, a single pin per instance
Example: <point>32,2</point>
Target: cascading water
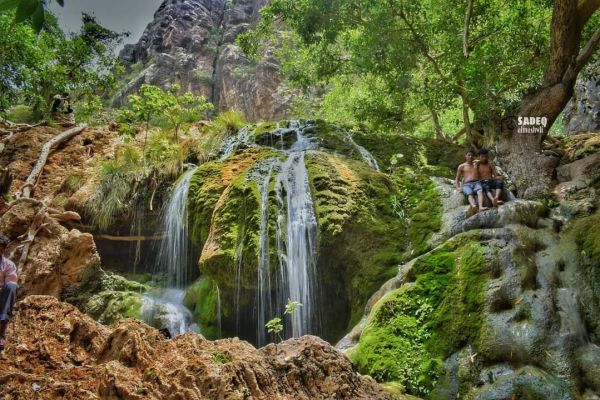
<point>167,310</point>
<point>295,275</point>
<point>298,247</point>
<point>367,157</point>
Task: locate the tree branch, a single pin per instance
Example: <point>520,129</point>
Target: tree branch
<point>586,9</point>
<point>586,52</point>
<point>466,28</point>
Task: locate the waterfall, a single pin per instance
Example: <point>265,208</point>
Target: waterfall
<point>296,243</point>
<point>174,252</point>
<point>167,310</point>
<point>366,156</point>
<point>298,250</point>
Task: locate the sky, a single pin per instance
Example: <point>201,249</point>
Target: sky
<point>119,15</point>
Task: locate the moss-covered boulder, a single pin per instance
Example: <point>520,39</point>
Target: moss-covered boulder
<point>107,297</point>
<point>366,222</point>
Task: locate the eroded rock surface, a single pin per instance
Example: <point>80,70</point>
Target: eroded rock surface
<point>55,256</point>
<point>79,358</point>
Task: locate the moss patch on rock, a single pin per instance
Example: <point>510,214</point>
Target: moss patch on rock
<point>415,328</point>
<point>202,298</point>
<point>107,297</point>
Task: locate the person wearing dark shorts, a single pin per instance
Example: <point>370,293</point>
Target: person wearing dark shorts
<point>8,290</point>
<point>490,181</point>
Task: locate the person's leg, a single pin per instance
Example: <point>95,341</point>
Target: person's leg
<point>499,187</point>
<point>8,295</point>
<point>479,190</point>
<point>468,191</point>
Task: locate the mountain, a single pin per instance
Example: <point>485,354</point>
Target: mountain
<point>192,42</point>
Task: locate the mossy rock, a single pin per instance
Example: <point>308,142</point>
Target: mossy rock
<point>202,298</point>
<point>362,234</point>
<point>107,297</point>
<point>413,329</point>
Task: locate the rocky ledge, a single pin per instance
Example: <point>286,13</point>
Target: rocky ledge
<point>61,353</point>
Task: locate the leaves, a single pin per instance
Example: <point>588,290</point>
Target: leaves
<point>33,11</point>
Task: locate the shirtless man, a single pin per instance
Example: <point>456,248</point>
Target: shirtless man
<point>490,181</point>
<point>467,180</point>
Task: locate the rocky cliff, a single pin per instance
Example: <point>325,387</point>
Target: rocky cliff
<point>192,42</point>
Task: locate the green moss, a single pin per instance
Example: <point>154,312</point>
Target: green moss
<point>413,329</point>
<point>202,299</point>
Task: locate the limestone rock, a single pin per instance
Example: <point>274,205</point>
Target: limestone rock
<point>582,113</point>
<point>57,256</point>
<point>83,359</point>
<point>192,43</point>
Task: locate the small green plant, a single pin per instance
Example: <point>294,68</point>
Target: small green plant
<point>275,326</point>
<point>221,358</point>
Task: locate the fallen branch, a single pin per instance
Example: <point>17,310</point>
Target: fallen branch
<point>41,162</point>
<point>28,237</point>
<point>128,238</point>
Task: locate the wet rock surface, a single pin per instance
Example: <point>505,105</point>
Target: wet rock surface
<point>534,297</point>
<point>79,358</point>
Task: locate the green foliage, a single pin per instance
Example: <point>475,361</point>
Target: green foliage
<point>275,326</point>
<point>228,122</point>
<point>413,329</point>
<point>112,193</point>
<point>221,358</point>
<point>392,64</point>
<point>21,114</point>
<point>88,108</point>
<point>30,11</point>
<point>34,68</point>
<point>184,109</point>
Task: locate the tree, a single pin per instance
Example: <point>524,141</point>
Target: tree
<point>150,102</point>
<point>33,68</point>
<point>184,109</point>
<point>571,49</point>
<point>431,58</point>
<point>31,11</point>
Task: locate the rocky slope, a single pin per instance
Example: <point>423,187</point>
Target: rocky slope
<point>506,304</point>
<point>54,352</point>
<point>192,42</point>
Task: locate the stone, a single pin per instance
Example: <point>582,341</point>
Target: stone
<point>192,43</point>
<point>79,358</point>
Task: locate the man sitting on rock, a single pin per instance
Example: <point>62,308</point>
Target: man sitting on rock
<point>490,180</point>
<point>8,289</point>
<point>467,179</point>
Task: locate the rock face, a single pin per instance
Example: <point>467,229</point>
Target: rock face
<point>504,307</point>
<point>79,358</point>
<point>582,113</point>
<point>192,43</point>
<point>57,257</point>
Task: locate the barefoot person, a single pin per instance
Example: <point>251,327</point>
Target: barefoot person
<point>8,290</point>
<point>467,179</point>
<point>490,181</point>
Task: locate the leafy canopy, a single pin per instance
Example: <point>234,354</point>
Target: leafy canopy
<point>393,63</point>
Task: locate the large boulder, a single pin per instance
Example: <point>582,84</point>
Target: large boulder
<point>55,258</point>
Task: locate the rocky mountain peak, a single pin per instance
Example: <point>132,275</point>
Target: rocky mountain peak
<point>192,43</point>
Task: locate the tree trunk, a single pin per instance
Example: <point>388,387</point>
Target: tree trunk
<point>41,162</point>
<point>521,153</point>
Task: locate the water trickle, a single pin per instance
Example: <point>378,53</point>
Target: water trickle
<point>167,311</point>
<point>263,297</point>
<point>366,156</point>
<point>174,254</point>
